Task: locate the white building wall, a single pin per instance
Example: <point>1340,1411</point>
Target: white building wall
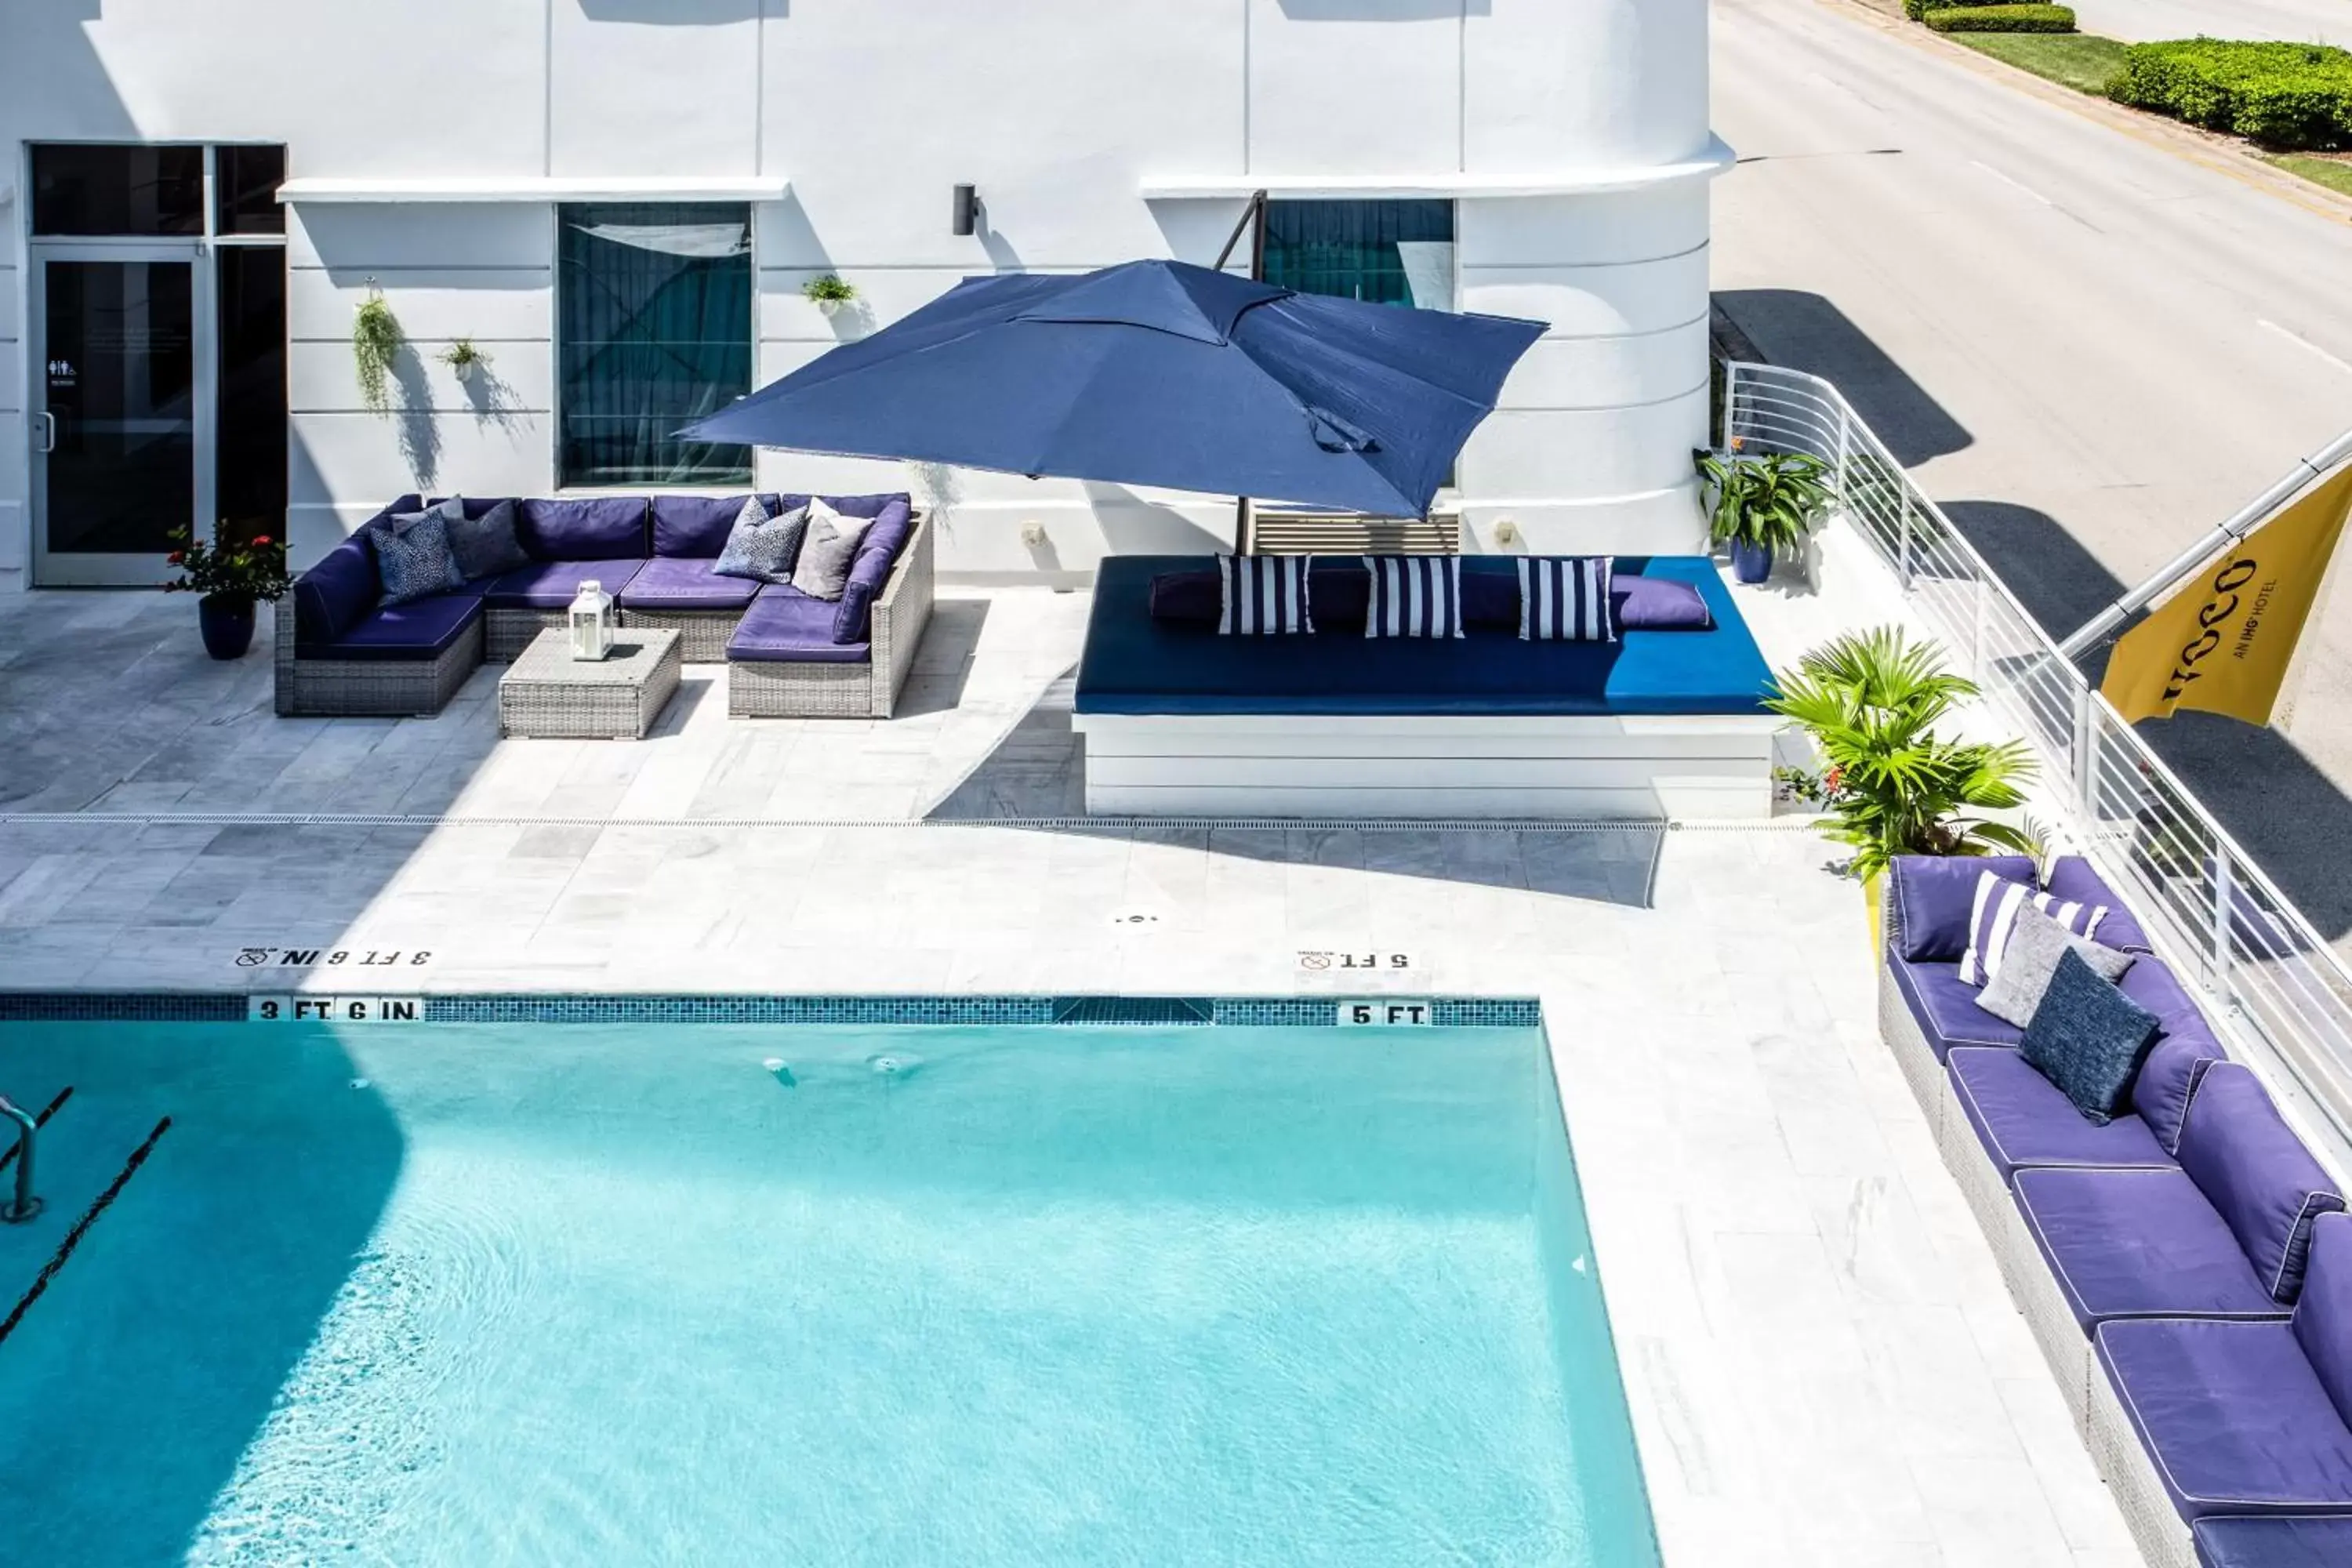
<point>1063,112</point>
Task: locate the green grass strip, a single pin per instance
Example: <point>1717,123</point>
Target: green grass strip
<point>2084,61</point>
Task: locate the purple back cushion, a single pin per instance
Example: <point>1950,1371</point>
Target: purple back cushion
<point>338,593</point>
<point>849,506</point>
<point>1932,896</point>
<point>594,528</point>
<point>2167,1080</point>
<point>694,528</point>
<point>877,554</point>
<point>2323,1319</point>
<point>1658,605</point>
<point>2071,878</point>
<point>2256,1174</point>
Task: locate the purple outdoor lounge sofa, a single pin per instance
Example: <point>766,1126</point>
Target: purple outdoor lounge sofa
<point>2172,1263</point>
<point>339,651</point>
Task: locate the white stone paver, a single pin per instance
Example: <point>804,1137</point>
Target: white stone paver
<point>1823,1367</point>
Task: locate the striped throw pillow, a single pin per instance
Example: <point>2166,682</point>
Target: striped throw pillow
<point>1414,596</point>
<point>1993,916</point>
<point>1565,598</point>
<point>1264,595</point>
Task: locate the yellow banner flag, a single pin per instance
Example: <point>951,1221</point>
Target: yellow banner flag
<point>2223,643</point>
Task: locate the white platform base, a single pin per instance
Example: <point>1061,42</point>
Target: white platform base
<point>1633,766</point>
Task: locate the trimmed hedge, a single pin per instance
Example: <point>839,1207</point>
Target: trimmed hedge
<point>2002,19</point>
<point>2287,95</point>
<point>1917,9</point>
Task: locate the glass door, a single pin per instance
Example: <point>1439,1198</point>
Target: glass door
<point>122,410</point>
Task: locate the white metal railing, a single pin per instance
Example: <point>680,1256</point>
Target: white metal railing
<point>2204,902</point>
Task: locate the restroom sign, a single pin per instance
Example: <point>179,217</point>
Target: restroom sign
<point>335,1009</point>
<point>1387,1013</point>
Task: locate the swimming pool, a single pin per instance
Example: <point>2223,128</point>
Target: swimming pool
<point>589,1293</point>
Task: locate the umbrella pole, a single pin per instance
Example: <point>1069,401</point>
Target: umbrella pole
<point>1242,542</point>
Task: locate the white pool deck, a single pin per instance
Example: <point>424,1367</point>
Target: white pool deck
<point>1823,1366</point>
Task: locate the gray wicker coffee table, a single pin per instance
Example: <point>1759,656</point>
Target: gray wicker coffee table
<point>547,694</point>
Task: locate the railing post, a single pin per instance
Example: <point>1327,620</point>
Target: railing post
<point>2083,757</point>
<point>1903,545</point>
<point>1730,397</point>
<point>2225,895</point>
<point>1976,671</point>
<point>1845,448</point>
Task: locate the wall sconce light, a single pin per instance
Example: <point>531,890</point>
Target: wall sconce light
<point>1507,531</point>
<point>1033,533</point>
<point>967,209</point>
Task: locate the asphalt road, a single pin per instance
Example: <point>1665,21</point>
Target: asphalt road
<point>2088,347</point>
<point>2296,21</point>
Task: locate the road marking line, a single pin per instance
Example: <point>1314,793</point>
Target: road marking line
<point>2305,344</point>
<point>2006,179</point>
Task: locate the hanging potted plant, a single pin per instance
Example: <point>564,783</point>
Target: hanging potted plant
<point>1892,785</point>
<point>829,293</point>
<point>1762,504</point>
<point>229,577</point>
<point>463,359</point>
<point>375,343</point>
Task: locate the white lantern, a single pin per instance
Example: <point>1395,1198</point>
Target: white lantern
<point>592,621</point>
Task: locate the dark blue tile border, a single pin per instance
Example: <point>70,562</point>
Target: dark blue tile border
<point>226,1008</point>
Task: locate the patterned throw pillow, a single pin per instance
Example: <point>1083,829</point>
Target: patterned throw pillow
<point>762,548</point>
<point>1262,595</point>
<point>1414,596</point>
<point>1994,912</point>
<point>2088,1038</point>
<point>1565,598</point>
<point>412,555</point>
<point>827,551</point>
<point>483,546</point>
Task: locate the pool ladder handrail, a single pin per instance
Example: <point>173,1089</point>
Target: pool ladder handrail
<point>25,1204</point>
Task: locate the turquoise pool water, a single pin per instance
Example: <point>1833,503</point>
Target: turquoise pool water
<point>578,1293</point>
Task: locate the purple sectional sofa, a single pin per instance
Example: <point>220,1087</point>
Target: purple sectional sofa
<point>2192,1241</point>
<point>339,651</point>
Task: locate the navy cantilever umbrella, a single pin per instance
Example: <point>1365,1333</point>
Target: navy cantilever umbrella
<point>1155,373</point>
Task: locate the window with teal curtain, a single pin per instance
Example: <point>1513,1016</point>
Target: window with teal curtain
<point>1390,252</point>
<point>654,330</point>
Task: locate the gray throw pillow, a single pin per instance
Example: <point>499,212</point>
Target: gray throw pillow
<point>2036,944</point>
<point>2088,1038</point>
<point>762,548</point>
<point>829,551</point>
<point>412,555</point>
<point>483,546</point>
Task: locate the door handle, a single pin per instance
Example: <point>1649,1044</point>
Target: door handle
<point>46,433</point>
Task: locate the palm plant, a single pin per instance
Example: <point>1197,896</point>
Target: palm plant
<point>1767,500</point>
<point>1871,701</point>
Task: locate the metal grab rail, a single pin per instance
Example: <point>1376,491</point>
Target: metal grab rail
<point>25,1204</point>
<point>2201,897</point>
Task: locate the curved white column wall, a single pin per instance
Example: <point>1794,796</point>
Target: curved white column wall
<point>1096,130</point>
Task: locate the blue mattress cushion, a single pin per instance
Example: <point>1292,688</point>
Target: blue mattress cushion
<point>2306,1541</point>
<point>784,625</point>
<point>591,527</point>
<point>553,585</point>
<point>336,593</point>
<point>2071,878</point>
<point>695,527</point>
<point>1946,1007</point>
<point>1931,897</point>
<point>418,628</point>
<point>670,583</point>
<point>2231,1412</point>
<point>2323,1317</point>
<point>2139,1244</point>
<point>2023,1120</point>
<point>1134,664</point>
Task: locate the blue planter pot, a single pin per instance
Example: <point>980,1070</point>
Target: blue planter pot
<point>226,624</point>
<point>1750,562</point>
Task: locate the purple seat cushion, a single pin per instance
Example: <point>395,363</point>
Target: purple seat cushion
<point>2139,1244</point>
<point>2323,1317</point>
<point>419,628</point>
<point>670,583</point>
<point>553,585</point>
<point>2023,1120</point>
<point>2257,1174</point>
<point>1931,897</point>
<point>2306,1541</point>
<point>337,593</point>
<point>878,552</point>
<point>695,527</point>
<point>784,625</point>
<point>2232,1413</point>
<point>594,528</point>
<point>2073,877</point>
<point>1946,1007</point>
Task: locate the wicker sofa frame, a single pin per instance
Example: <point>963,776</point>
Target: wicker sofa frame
<point>761,689</point>
<point>370,688</point>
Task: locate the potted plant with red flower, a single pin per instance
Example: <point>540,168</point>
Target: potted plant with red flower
<point>230,574</point>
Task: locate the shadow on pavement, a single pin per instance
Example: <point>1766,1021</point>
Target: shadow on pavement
<point>1805,332</point>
